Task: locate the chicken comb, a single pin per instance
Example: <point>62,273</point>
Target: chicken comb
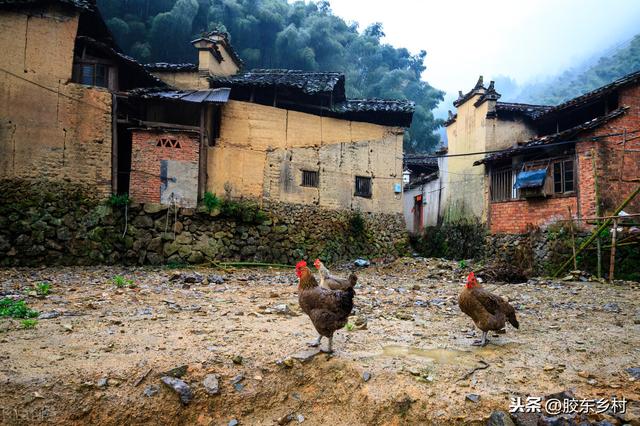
<point>471,277</point>
<point>301,264</point>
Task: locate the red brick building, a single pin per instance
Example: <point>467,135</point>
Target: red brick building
<point>165,166</point>
<point>587,152</point>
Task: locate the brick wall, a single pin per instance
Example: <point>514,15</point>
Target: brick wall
<point>618,168</point>
<point>617,164</point>
<point>146,156</point>
<point>513,217</point>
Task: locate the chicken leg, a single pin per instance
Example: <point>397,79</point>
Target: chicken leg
<point>329,347</point>
<point>315,343</point>
<point>482,342</point>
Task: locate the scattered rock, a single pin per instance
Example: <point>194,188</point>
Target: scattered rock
<point>366,376</point>
<point>180,387</point>
<point>237,359</point>
<point>102,382</point>
<point>634,371</point>
<point>193,278</point>
<point>49,315</point>
<point>233,422</point>
<point>500,418</point>
<point>473,397</point>
<point>151,390</point>
<point>305,356</point>
<point>286,419</point>
<point>177,372</point>
<point>211,385</point>
<point>215,279</point>
<point>237,379</point>
<point>300,418</point>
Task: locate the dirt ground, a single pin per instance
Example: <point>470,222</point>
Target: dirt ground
<point>100,356</point>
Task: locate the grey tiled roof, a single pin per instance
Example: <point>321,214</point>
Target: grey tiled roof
<point>564,135</point>
<point>374,105</point>
<point>306,81</point>
<point>165,66</point>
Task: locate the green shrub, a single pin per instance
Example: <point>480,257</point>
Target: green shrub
<point>242,211</point>
<point>357,224</point>
<point>211,201</point>
<point>43,289</point>
<point>464,240</point>
<point>16,309</point>
<point>120,281</point>
<point>118,200</point>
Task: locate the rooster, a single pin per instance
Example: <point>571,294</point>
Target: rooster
<point>488,311</point>
<point>328,309</point>
<point>331,282</point>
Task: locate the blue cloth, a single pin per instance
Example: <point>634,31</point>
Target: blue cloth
<point>531,179</point>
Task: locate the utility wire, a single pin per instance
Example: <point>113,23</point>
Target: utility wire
<point>525,147</point>
<point>57,92</point>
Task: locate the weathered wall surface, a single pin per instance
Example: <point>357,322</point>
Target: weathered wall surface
<point>465,193</point>
<point>151,166</point>
<point>430,203</point>
<point>50,128</point>
<point>262,151</point>
<point>182,80</point>
<point>54,223</point>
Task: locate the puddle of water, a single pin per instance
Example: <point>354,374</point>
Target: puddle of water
<point>436,355</point>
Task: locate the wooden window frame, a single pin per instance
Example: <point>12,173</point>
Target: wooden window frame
<point>504,177</point>
<point>562,165</point>
<point>359,182</point>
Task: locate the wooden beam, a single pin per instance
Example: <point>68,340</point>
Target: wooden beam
<point>596,233</point>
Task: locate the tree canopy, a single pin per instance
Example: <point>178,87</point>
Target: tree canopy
<point>277,34</point>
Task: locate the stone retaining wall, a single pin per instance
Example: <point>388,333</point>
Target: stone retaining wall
<point>53,223</point>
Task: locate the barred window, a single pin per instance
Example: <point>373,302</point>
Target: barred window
<point>363,186</point>
<point>310,178</point>
<point>502,185</point>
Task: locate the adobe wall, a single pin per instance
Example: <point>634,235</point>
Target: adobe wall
<point>56,223</point>
<point>50,128</point>
<point>262,150</point>
<point>184,80</point>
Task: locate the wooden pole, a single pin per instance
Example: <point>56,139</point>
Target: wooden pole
<point>596,233</point>
<point>612,260</point>
<point>597,200</point>
<point>573,242</point>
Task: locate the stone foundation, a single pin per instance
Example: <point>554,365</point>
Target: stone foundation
<point>52,223</point>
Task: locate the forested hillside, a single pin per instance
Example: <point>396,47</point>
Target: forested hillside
<point>575,82</point>
<point>278,34</point>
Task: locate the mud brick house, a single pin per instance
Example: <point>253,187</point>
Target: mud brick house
<point>572,157</point>
<point>289,136</point>
<point>60,77</point>
<point>75,108</point>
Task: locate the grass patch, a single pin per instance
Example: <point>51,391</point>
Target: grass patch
<point>43,289</point>
<point>10,308</point>
<point>122,282</point>
<point>29,323</point>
